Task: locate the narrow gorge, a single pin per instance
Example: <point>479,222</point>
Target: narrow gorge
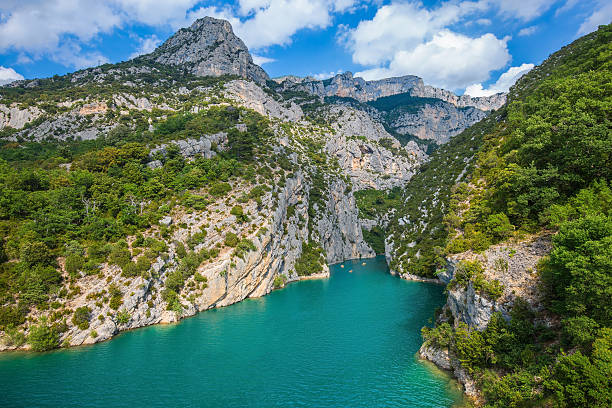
<point>186,179</point>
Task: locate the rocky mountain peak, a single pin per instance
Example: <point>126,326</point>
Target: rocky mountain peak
<point>209,47</point>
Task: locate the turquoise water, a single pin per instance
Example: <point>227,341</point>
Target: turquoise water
<point>347,341</point>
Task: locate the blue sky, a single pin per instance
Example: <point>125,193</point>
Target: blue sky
<point>478,46</point>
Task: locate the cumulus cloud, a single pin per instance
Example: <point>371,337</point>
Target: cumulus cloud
<point>503,84</point>
<point>36,26</point>
<point>407,38</point>
<point>146,45</point>
<point>263,23</point>
<point>260,59</point>
<point>8,75</point>
<point>603,15</point>
<point>400,26</point>
<point>448,60</point>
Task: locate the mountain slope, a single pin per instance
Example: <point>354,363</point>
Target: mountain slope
<point>514,214</point>
<point>404,105</point>
<point>139,193</point>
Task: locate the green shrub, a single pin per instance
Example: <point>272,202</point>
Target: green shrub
<point>231,239</point>
<point>123,316</point>
<point>74,263</point>
<point>219,189</point>
<point>42,337</point>
<point>81,317</point>
<point>311,259</point>
<point>116,297</point>
<point>279,281</point>
<point>14,337</point>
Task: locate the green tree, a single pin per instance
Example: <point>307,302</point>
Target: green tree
<point>42,337</point>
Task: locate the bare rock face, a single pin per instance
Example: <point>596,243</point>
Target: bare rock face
<point>16,118</point>
<point>347,86</point>
<point>339,228</point>
<point>209,47</point>
<point>435,121</point>
<point>514,266</point>
<point>251,96</point>
<point>447,361</point>
<point>368,154</point>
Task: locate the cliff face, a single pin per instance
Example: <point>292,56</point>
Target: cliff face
<point>209,47</point>
<point>514,265</point>
<point>14,117</point>
<point>367,153</point>
<point>347,86</point>
<point>404,104</point>
<point>438,121</point>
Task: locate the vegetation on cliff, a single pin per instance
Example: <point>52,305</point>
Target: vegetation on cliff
<point>545,162</point>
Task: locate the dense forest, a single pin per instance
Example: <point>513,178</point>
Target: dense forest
<point>543,163</point>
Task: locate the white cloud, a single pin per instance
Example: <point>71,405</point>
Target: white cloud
<point>260,59</point>
<point>71,54</point>
<point>503,84</point>
<point>152,12</point>
<point>569,4</point>
<point>8,75</point>
<point>273,22</point>
<point>448,60</point>
<point>409,39</point>
<point>58,29</point>
<point>603,15</point>
<point>523,9</point>
<point>146,45</point>
<point>325,75</point>
<point>400,26</point>
<point>484,21</point>
<point>38,26</point>
<point>524,32</point>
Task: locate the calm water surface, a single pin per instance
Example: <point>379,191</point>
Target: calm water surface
<point>347,341</point>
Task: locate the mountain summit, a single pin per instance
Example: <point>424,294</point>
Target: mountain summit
<point>209,47</point>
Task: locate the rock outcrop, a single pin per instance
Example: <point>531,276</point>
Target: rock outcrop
<point>445,360</point>
<point>368,153</point>
<point>251,96</point>
<point>209,47</point>
<point>16,118</point>
<point>514,266</point>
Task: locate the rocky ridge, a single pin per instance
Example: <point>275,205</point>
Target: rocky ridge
<point>209,47</point>
<point>347,86</point>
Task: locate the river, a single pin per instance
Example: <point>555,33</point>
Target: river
<point>346,341</point>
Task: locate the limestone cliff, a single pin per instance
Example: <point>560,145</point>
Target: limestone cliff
<point>347,86</point>
<point>514,265</point>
